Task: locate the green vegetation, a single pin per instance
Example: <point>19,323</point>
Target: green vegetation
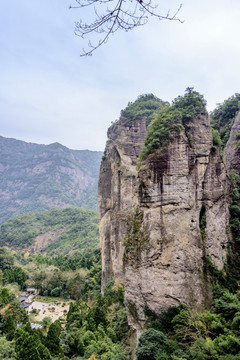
<point>10,273</point>
<point>73,276</point>
<point>173,118</point>
<point>62,276</point>
<point>65,230</point>
<point>80,259</point>
<point>212,334</point>
<point>223,117</point>
<point>7,350</point>
<point>150,344</point>
<point>136,236</point>
<point>235,208</point>
<point>99,330</point>
<point>145,105</point>
<point>12,308</point>
<point>217,141</point>
<point>75,268</point>
<point>95,326</point>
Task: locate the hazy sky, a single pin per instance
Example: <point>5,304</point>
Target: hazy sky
<point>48,93</point>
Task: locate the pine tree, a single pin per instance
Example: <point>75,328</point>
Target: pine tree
<point>44,353</point>
<point>9,327</point>
<point>52,340</point>
<point>26,346</point>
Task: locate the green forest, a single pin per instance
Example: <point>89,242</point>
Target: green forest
<point>94,325</point>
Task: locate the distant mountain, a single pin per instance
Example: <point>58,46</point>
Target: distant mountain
<point>37,177</point>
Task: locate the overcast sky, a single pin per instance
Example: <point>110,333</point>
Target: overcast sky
<point>48,93</point>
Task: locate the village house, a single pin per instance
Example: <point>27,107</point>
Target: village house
<point>31,291</point>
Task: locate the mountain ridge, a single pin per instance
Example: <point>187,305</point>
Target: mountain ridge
<point>36,177</point>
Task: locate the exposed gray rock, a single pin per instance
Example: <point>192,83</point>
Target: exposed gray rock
<point>117,192</point>
<point>157,224</point>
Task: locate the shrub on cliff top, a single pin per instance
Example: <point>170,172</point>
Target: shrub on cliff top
<point>190,105</point>
<point>145,105</point>
<point>173,118</point>
<point>223,116</point>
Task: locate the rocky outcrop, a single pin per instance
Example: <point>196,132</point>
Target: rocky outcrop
<point>158,223</point>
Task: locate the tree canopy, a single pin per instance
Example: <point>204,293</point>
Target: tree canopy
<point>145,105</point>
<point>222,118</point>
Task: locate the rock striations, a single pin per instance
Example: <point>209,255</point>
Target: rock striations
<point>158,223</point>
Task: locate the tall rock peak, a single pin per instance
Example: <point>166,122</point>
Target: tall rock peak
<point>160,220</point>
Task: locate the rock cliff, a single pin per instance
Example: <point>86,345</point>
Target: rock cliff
<point>118,192</point>
<point>158,224</point>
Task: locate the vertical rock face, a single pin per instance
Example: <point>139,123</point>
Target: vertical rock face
<point>232,150</point>
<point>118,192</point>
<point>158,223</point>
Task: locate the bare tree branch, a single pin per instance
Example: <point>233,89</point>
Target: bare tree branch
<point>113,15</point>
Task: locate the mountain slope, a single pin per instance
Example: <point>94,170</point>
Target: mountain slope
<point>56,231</point>
<point>38,177</point>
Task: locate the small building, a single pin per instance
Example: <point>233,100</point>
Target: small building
<point>26,306</point>
<point>31,291</point>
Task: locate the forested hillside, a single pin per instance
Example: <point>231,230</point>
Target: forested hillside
<point>39,177</point>
<point>56,231</point>
<point>93,324</point>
